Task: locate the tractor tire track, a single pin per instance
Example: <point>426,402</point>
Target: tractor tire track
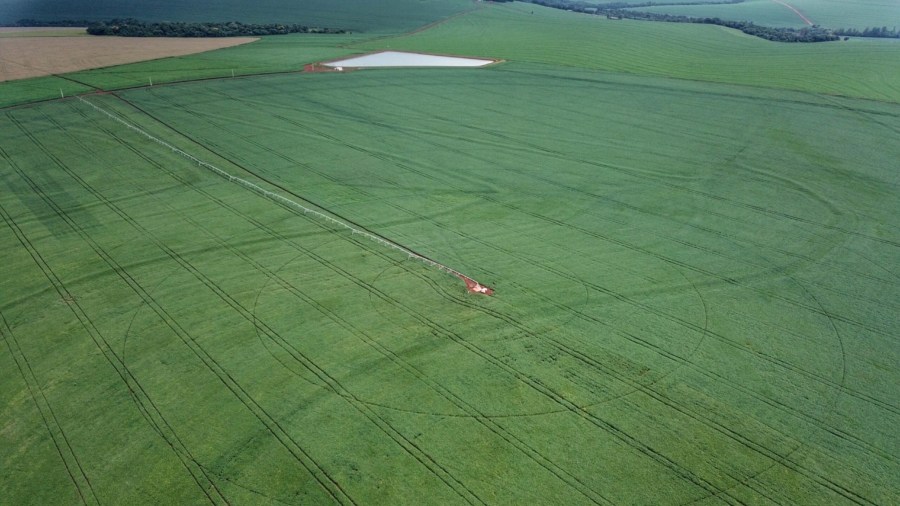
<point>134,387</point>
<point>277,431</point>
<point>410,447</point>
<point>57,434</point>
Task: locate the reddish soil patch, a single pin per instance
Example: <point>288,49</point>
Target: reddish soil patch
<point>476,287</point>
<point>315,67</point>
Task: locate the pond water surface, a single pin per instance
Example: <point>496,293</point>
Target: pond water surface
<point>400,59</point>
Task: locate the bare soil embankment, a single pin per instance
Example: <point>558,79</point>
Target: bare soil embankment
<point>25,57</point>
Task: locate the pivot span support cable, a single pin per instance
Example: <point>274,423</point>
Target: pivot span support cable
<point>471,284</point>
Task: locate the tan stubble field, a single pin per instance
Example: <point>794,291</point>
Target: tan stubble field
<point>24,57</point>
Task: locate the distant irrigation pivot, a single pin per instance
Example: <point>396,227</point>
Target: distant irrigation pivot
<point>472,285</point>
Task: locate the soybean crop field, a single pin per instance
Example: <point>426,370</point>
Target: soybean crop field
<point>696,293</point>
<point>690,233</point>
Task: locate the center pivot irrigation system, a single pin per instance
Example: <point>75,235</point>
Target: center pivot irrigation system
<point>472,285</point>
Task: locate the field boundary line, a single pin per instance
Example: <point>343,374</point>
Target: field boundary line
<point>284,200</point>
<point>62,76</point>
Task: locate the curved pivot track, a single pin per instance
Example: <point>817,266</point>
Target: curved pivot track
<point>472,285</point>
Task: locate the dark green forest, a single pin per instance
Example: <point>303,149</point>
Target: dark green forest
<point>135,28</point>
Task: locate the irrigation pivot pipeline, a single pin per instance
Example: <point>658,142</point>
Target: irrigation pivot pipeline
<point>471,285</point>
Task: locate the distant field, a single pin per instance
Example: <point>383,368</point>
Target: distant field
<point>696,294</point>
<point>280,53</point>
<point>829,13</point>
<point>9,32</point>
<point>761,12</point>
<point>857,68</point>
<point>364,15</point>
<point>33,57</point>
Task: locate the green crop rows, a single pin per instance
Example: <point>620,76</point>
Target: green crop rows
<point>696,282</point>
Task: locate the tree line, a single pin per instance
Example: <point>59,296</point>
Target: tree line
<point>625,10</point>
<point>135,28</point>
<point>66,23</point>
<point>882,32</point>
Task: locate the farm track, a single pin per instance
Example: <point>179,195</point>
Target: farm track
<point>810,23</point>
<point>832,485</point>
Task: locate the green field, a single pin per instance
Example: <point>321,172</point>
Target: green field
<point>696,265</point>
<point>529,33</point>
<point>857,68</point>
<point>858,14</point>
<point>364,15</point>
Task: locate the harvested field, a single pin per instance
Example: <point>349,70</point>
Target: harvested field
<point>33,57</point>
